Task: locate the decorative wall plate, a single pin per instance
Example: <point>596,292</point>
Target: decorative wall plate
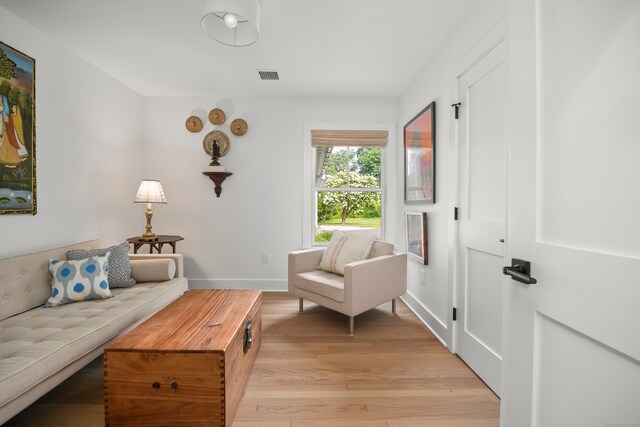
<point>216,136</point>
<point>239,127</point>
<point>217,116</point>
<point>194,124</point>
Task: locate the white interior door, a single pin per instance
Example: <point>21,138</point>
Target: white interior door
<point>572,346</point>
<point>481,215</point>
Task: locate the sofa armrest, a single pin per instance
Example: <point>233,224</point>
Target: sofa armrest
<point>374,281</point>
<point>302,261</point>
<point>177,258</point>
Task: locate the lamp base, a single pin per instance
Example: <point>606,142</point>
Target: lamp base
<point>149,237</point>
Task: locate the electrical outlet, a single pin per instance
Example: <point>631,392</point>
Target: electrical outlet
<point>423,277</point>
<point>266,258</point>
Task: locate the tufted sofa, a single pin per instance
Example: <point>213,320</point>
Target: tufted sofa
<point>41,347</point>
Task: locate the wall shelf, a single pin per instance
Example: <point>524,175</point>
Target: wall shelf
<point>217,178</point>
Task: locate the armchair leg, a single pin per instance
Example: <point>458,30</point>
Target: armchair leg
<point>300,302</point>
<point>351,325</point>
<point>393,306</point>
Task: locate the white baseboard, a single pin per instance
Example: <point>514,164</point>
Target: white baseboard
<point>270,285</point>
<point>429,320</point>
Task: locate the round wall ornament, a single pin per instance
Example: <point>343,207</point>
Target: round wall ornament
<point>217,116</point>
<point>193,124</point>
<point>216,137</point>
<point>239,127</point>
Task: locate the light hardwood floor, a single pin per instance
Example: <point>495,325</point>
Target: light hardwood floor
<point>310,372</point>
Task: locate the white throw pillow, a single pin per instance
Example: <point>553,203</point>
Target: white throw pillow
<point>343,249</point>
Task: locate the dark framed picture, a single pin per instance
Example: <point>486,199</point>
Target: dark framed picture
<point>420,157</point>
<point>17,132</point>
<point>417,243</point>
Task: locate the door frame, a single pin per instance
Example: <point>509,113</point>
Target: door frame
<point>490,41</point>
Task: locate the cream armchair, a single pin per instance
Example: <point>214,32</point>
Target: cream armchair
<point>365,284</point>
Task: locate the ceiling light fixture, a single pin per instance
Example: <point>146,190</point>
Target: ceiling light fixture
<point>231,22</point>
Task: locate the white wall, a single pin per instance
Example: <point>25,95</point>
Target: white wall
<point>436,82</point>
<point>88,135</point>
<point>260,209</point>
<point>90,161</point>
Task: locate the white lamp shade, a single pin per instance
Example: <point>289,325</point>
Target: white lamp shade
<point>150,191</point>
<point>247,12</point>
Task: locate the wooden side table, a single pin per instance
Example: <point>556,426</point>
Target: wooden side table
<point>155,244</point>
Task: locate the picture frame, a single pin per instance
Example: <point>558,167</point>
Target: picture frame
<point>416,235</point>
<point>420,157</point>
<point>17,132</point>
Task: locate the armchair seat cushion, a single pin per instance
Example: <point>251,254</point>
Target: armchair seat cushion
<point>323,283</point>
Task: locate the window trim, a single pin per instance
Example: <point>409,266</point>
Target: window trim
<point>387,158</point>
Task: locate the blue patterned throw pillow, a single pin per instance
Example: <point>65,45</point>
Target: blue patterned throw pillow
<point>73,281</point>
<point>119,264</point>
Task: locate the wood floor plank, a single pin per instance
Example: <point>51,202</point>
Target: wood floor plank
<point>310,373</point>
<point>337,423</point>
<point>260,424</point>
<point>256,386</point>
<point>426,422</point>
<point>351,394</point>
<point>372,408</point>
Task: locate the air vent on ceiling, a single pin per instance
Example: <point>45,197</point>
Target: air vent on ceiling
<point>268,75</point>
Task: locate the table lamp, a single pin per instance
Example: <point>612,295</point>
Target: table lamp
<point>150,191</point>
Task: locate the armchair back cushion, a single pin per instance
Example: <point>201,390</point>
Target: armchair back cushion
<point>343,249</point>
<point>381,248</point>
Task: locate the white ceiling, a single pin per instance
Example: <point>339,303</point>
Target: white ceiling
<point>345,48</point>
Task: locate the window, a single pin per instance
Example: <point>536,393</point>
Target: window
<point>348,183</point>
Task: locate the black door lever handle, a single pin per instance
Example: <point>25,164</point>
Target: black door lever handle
<point>520,271</point>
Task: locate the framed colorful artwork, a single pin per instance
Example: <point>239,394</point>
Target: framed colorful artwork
<point>17,132</point>
<point>417,244</point>
<point>420,157</point>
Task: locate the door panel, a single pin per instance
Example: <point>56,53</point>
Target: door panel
<point>571,368</point>
<point>481,205</point>
<point>588,134</point>
<point>486,123</point>
<point>484,289</point>
<point>572,354</point>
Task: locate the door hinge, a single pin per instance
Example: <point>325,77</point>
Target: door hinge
<point>455,213</point>
<point>454,314</point>
<point>456,106</point>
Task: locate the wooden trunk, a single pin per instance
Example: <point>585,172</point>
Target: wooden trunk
<point>187,364</point>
